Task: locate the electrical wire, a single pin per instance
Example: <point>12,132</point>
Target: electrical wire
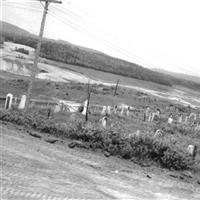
<point>94,36</point>
<point>24,8</point>
<point>70,23</point>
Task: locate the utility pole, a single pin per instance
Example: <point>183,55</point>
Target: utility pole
<point>116,87</point>
<point>37,52</point>
<point>88,102</point>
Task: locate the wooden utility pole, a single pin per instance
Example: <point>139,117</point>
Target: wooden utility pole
<point>37,52</point>
<point>88,102</point>
<point>116,87</point>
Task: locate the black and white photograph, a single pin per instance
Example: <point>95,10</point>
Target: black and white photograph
<point>99,99</point>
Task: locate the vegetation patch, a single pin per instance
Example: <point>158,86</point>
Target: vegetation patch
<point>165,151</point>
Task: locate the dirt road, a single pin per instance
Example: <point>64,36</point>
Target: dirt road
<point>33,169</point>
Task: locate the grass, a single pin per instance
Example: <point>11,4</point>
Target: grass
<point>166,151</point>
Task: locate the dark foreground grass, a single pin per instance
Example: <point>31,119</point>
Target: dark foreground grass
<point>165,151</point>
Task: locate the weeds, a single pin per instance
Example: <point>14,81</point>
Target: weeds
<point>166,151</point>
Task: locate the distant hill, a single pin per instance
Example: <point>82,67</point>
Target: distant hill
<point>13,29</point>
<point>179,75</point>
<point>81,47</point>
<point>66,52</point>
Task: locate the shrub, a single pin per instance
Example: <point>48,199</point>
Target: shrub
<point>167,151</point>
<point>22,50</point>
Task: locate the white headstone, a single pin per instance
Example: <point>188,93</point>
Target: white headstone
<point>191,150</point>
<point>122,111</point>
<point>153,116</point>
<point>127,112</point>
<point>85,107</point>
<point>57,108</point>
<point>8,103</point>
<point>150,117</point>
<point>22,102</point>
<point>170,120</point>
<point>103,112</point>
<point>137,133</point>
<point>109,109</point>
<point>104,121</point>
<point>180,119</point>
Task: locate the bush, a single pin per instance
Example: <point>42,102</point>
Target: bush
<point>167,151</point>
<point>22,50</point>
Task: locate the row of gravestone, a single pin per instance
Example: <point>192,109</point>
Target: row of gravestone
<point>10,100</point>
<point>192,149</point>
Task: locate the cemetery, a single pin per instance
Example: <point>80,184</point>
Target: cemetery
<point>162,133</point>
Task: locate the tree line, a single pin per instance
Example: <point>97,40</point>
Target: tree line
<point>75,55</point>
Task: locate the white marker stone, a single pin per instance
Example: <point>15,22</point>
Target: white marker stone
<point>104,121</point>
<point>57,109</point>
<point>109,109</point>
<point>85,107</point>
<point>180,119</point>
<point>8,103</point>
<point>192,150</point>
<point>103,112</point>
<point>170,120</point>
<point>22,102</point>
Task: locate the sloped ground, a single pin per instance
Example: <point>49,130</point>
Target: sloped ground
<point>59,72</point>
<point>31,168</point>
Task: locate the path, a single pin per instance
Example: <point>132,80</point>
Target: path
<point>34,169</point>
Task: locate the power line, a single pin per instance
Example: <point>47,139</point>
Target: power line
<point>67,12</point>
<point>94,36</point>
<point>22,7</point>
<point>116,48</point>
<point>84,31</point>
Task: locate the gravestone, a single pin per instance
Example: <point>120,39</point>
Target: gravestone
<point>57,109</point>
<point>103,112</point>
<point>104,121</point>
<point>150,117</point>
<point>192,149</point>
<point>128,112</point>
<point>122,111</point>
<point>180,119</point>
<point>109,110</point>
<point>8,103</point>
<point>170,120</point>
<point>85,107</point>
<point>22,102</point>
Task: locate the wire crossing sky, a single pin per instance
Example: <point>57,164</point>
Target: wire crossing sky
<point>156,34</point>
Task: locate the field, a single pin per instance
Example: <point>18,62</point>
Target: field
<point>20,64</point>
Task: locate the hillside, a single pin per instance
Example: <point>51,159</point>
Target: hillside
<point>76,55</point>
<point>13,29</point>
<point>179,75</point>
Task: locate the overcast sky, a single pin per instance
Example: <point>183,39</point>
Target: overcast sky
<point>154,33</point>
